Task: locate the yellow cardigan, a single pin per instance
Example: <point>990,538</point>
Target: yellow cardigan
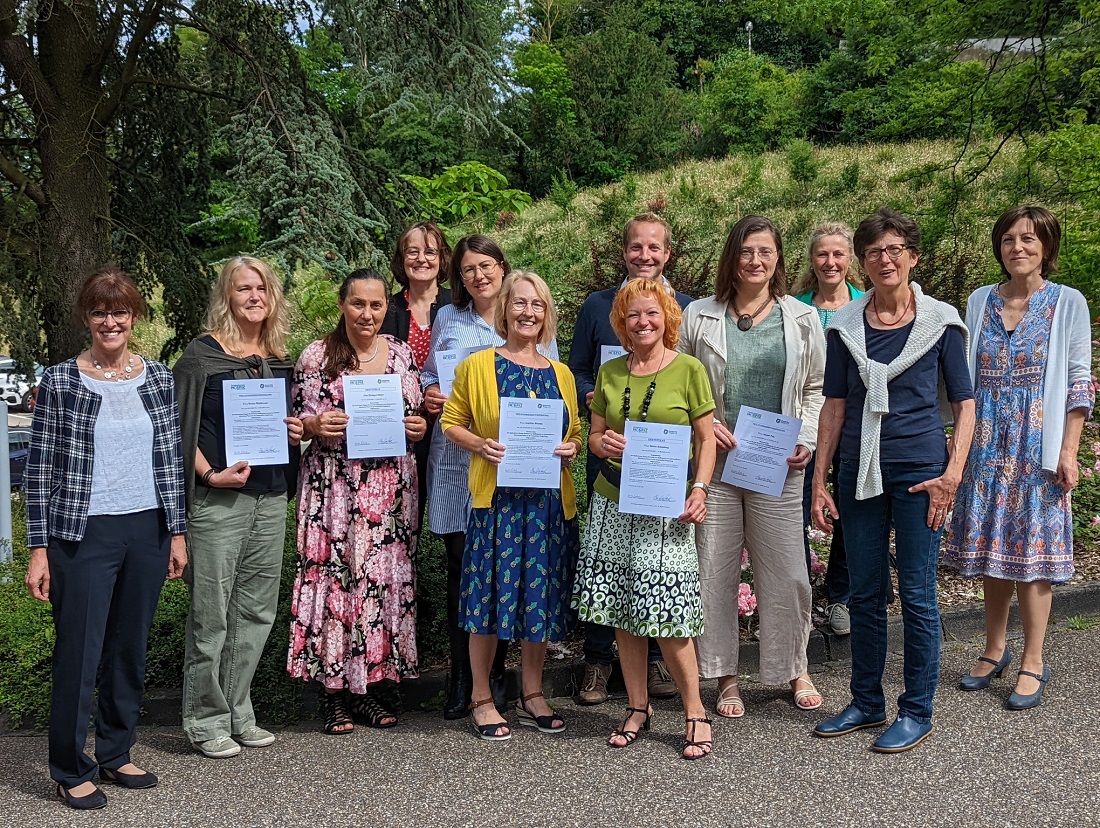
<point>475,404</point>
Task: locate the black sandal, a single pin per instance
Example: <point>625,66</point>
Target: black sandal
<point>546,724</point>
<point>492,732</point>
<point>705,745</point>
<point>630,735</point>
<point>367,710</point>
<point>334,710</point>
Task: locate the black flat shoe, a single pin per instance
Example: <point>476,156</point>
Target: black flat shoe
<point>129,780</point>
<point>93,801</point>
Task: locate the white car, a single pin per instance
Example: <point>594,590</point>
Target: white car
<point>14,388</point>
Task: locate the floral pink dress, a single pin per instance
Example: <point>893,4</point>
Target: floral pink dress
<point>354,603</point>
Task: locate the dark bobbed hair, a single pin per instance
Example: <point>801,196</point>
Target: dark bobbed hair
<point>725,283</point>
<point>885,220</point>
<point>1047,229</point>
<point>429,229</point>
<point>476,243</point>
<point>340,356</point>
<point>109,288</point>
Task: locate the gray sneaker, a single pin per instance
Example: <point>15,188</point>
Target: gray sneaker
<point>837,619</point>
<point>594,687</point>
<point>254,737</point>
<point>221,748</point>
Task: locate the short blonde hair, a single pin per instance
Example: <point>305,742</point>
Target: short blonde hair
<point>808,280</point>
<point>637,288</point>
<point>219,317</point>
<point>504,298</point>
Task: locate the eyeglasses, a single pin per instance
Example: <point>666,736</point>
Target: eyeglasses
<point>471,271</point>
<point>100,316</point>
<point>766,254</point>
<point>894,251</point>
<point>536,305</point>
<point>414,253</point>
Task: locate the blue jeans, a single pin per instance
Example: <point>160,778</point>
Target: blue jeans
<point>867,542</point>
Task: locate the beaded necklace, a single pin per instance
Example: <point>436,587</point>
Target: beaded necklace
<point>644,413</point>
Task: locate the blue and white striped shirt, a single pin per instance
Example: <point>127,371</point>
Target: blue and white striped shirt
<point>449,501</point>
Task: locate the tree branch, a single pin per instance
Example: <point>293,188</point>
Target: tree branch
<point>146,22</point>
<point>185,87</point>
<point>10,170</point>
<point>19,62</point>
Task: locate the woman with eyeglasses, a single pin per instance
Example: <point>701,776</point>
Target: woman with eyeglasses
<point>420,265</point>
<point>521,544</point>
<point>106,524</point>
<point>478,268</point>
<point>762,349</point>
<point>887,355</point>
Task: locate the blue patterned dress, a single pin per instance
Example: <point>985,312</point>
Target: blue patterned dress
<point>1011,520</point>
<point>517,571</point>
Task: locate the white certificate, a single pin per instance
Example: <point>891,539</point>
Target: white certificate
<point>376,412</point>
<point>655,465</point>
<point>254,410</point>
<point>447,361</point>
<point>764,442</point>
<point>530,430</point>
<point>611,352</point>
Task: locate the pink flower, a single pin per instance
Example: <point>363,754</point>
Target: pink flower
<point>816,566</point>
<point>1087,472</point>
<point>744,561</point>
<point>1095,522</point>
<point>746,600</point>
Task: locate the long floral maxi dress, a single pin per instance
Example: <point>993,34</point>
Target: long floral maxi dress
<point>354,602</point>
<point>1011,520</point>
<point>517,570</point>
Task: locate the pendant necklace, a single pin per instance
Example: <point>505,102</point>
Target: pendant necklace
<point>644,413</point>
<point>746,321</point>
<point>874,307</point>
<point>118,375</point>
<point>523,373</point>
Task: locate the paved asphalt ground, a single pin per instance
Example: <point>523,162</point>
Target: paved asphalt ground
<point>982,766</point>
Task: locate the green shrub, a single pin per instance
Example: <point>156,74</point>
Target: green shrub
<point>848,182</point>
<point>802,163</point>
<point>563,190</point>
<point>465,190</point>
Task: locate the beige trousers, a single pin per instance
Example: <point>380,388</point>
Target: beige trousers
<point>771,529</point>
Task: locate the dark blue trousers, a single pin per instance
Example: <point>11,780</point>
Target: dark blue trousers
<point>104,590</point>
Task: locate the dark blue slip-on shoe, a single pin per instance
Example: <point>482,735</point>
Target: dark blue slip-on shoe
<point>1018,701</point>
<point>904,734</point>
<point>847,721</point>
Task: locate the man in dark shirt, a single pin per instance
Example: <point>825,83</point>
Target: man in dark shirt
<point>647,245</point>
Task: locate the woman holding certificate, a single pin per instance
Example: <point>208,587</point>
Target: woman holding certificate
<point>639,572</point>
<point>237,510</point>
<point>521,543</point>
<point>478,268</point>
<point>889,354</point>
<point>764,350</point>
<point>354,601</point>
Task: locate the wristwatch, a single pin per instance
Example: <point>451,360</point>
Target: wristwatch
<point>698,484</point>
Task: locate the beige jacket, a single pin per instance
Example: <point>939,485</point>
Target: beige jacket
<point>703,335</point>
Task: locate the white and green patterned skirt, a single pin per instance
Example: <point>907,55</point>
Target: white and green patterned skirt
<point>638,573</point>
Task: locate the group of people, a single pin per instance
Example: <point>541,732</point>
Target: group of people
<point>128,482</point>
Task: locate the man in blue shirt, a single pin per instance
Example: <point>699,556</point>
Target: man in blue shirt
<point>647,245</point>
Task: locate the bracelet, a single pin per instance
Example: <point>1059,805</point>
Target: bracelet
<point>207,475</point>
<point>698,484</point>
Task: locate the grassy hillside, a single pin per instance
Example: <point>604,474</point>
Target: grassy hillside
<point>574,243</point>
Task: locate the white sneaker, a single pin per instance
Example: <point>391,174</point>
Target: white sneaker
<point>255,736</point>
<point>221,748</point>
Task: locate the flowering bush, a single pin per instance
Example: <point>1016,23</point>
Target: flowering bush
<point>746,600</point>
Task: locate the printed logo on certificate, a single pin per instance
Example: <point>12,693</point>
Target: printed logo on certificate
<point>376,416</point>
<point>655,466</point>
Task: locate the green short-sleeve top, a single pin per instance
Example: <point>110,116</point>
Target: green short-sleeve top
<point>683,394</point>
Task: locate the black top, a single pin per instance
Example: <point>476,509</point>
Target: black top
<point>263,479</point>
<point>397,318</point>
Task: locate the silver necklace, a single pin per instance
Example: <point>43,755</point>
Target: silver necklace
<point>118,375</point>
<point>373,353</point>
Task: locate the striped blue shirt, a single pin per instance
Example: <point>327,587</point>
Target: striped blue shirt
<point>449,501</point>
